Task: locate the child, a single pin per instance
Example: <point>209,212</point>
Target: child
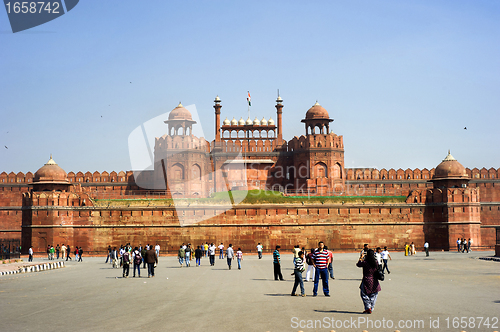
<point>299,268</point>
<point>239,256</point>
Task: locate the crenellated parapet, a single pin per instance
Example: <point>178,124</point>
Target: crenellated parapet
<point>415,174</point>
<point>444,195</point>
<point>304,142</point>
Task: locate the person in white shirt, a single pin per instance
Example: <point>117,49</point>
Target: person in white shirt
<point>426,248</point>
<point>211,252</point>
<point>259,250</point>
<point>221,251</point>
<point>229,255</point>
<point>157,249</point>
<point>378,255</point>
<point>385,256</point>
<point>30,253</point>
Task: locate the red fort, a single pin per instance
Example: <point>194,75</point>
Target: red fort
<point>94,210</point>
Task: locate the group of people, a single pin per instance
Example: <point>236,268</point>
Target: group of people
<point>59,252</point>
<point>126,256</point>
<point>186,254</point>
<point>463,245</point>
<point>319,261</point>
<point>410,249</point>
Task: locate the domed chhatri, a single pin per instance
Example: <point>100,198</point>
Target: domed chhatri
<point>450,168</point>
<point>317,112</point>
<point>180,113</point>
<point>51,173</point>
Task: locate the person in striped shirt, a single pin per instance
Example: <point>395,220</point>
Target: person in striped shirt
<point>299,268</point>
<point>277,264</point>
<point>320,262</point>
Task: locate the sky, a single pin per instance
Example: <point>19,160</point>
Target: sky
<point>401,79</point>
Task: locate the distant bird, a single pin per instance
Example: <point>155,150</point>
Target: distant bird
<point>101,116</point>
<point>6,147</point>
<point>465,128</point>
<point>130,82</point>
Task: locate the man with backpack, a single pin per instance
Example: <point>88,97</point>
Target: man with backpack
<point>137,257</point>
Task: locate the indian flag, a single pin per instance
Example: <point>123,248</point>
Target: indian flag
<point>249,99</point>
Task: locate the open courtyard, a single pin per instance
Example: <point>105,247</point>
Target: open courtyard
<point>446,291</point>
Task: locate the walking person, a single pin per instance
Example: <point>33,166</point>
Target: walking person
<point>157,249</point>
<point>137,257</point>
<point>63,251</point>
<point>310,266</point>
<point>58,249</point>
<point>198,253</point>
<point>321,260</point>
<point>277,264</point>
<point>259,250</point>
<point>187,257</point>
<point>108,258</point>
<point>469,245</point>
<point>459,242</point>
<point>221,250</point>
<point>80,253</point>
<point>180,255</point>
<point>69,253</point>
<point>30,254</point>
<point>330,265</point>
<point>370,286</point>
<point>297,271</point>
<point>239,257</point>
<point>152,260</point>
<point>211,250</point>
<point>76,254</point>
<point>229,255</point>
<point>426,248</point>
<point>385,255</point>
<point>413,251</point>
<point>143,254</point>
<point>126,264</point>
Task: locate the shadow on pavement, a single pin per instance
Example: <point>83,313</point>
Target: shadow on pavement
<point>340,312</point>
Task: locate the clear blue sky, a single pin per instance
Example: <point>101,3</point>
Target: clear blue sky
<point>401,78</point>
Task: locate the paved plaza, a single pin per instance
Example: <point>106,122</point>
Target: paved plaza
<point>424,294</point>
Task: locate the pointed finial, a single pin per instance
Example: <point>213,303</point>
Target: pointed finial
<point>180,105</point>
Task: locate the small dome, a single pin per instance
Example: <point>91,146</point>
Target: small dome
<point>217,99</point>
<point>241,122</point>
<point>234,122</point>
<point>279,100</point>
<point>256,122</point>
<point>317,112</point>
<point>270,122</point>
<point>263,122</point>
<point>249,122</point>
<point>226,122</point>
<point>450,168</point>
<point>51,172</point>
<point>180,113</point>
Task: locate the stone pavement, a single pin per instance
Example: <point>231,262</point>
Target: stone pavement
<point>91,296</point>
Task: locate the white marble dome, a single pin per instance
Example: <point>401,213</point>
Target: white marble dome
<point>234,122</point>
<point>270,122</point>
<point>263,122</point>
<point>226,122</point>
<point>241,122</point>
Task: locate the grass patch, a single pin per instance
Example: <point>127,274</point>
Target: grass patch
<point>252,197</point>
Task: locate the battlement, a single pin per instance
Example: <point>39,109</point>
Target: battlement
<point>303,142</point>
